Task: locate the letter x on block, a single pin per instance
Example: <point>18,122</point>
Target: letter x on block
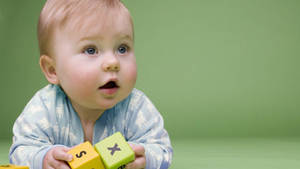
<point>115,151</point>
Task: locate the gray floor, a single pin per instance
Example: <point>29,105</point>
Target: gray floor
<point>250,153</point>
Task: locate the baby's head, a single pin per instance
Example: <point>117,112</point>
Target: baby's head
<point>73,14</point>
<point>87,47</point>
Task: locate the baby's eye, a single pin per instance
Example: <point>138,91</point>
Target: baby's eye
<point>90,51</point>
<point>123,49</point>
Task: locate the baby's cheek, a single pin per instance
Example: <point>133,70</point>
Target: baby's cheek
<point>85,75</point>
<point>133,76</point>
<point>132,73</point>
<point>82,82</point>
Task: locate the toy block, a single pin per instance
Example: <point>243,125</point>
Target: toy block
<point>85,157</point>
<point>11,166</point>
<point>115,151</point>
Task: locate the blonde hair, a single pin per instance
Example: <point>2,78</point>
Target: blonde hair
<point>58,13</point>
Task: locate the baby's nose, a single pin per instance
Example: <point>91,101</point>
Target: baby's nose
<point>111,64</point>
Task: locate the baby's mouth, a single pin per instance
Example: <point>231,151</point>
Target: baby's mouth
<point>109,85</point>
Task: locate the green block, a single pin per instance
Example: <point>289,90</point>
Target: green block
<point>115,151</point>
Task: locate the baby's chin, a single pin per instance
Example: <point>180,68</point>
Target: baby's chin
<point>109,102</point>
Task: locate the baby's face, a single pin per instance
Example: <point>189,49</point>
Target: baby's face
<point>96,65</point>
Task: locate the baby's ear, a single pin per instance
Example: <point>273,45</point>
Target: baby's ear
<point>48,67</point>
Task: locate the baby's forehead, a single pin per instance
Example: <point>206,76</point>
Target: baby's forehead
<point>89,24</point>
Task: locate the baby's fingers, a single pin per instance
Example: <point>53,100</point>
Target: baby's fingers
<point>61,154</point>
<point>59,165</point>
<point>48,167</point>
<point>138,163</point>
<point>138,150</point>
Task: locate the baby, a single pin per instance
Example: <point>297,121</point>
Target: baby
<point>87,55</point>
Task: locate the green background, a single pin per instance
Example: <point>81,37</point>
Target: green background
<point>214,68</point>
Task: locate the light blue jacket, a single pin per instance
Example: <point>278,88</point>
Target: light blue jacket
<point>49,120</point>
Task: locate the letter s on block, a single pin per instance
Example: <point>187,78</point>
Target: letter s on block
<point>80,154</point>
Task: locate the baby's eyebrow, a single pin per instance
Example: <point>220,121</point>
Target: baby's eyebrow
<point>121,37</point>
<point>90,38</point>
<point>126,37</point>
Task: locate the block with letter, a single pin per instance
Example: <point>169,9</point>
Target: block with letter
<point>85,157</point>
<point>115,152</point>
<point>11,166</point>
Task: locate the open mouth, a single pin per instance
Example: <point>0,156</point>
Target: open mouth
<point>110,85</point>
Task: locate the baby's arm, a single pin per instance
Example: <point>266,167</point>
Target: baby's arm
<point>146,128</point>
<point>33,135</point>
<point>29,146</point>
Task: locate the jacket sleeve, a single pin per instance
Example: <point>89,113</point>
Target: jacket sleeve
<point>32,135</point>
<point>146,127</point>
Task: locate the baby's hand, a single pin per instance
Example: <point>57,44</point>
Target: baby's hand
<point>140,158</point>
<point>56,158</point>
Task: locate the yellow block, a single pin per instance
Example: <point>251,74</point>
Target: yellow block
<point>11,166</point>
<point>85,157</point>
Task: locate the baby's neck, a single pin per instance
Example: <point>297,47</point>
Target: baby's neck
<point>88,130</point>
<point>88,119</point>
<point>87,115</point>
